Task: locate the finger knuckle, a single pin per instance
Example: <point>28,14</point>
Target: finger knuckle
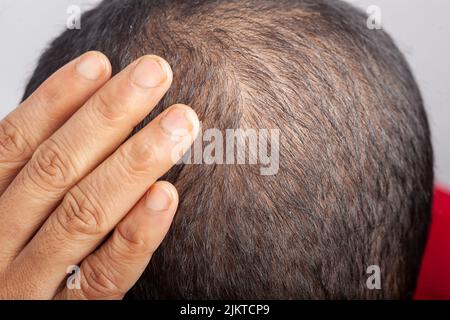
<point>13,144</point>
<point>127,243</point>
<point>109,109</point>
<point>139,157</point>
<point>47,95</point>
<point>100,280</point>
<point>52,167</point>
<point>81,215</point>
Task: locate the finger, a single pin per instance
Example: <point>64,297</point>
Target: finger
<point>85,140</point>
<point>112,270</point>
<point>93,207</point>
<point>47,109</point>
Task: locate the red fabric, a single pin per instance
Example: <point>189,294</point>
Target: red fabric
<point>434,277</point>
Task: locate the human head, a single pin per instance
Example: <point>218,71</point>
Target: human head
<point>354,183</point>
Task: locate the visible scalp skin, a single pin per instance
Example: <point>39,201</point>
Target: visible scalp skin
<point>356,165</point>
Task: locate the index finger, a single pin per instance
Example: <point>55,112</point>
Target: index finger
<point>41,114</point>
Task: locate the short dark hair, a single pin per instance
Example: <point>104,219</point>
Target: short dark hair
<point>354,186</point>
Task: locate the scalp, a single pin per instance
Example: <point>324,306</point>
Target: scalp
<point>355,179</point>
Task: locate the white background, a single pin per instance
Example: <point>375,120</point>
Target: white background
<point>420,27</point>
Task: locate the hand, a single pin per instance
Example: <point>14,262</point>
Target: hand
<point>73,194</point>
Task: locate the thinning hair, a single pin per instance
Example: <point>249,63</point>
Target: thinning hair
<point>354,185</point>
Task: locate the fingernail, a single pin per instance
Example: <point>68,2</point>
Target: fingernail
<point>91,66</point>
<point>177,122</point>
<point>149,73</point>
<point>158,199</point>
